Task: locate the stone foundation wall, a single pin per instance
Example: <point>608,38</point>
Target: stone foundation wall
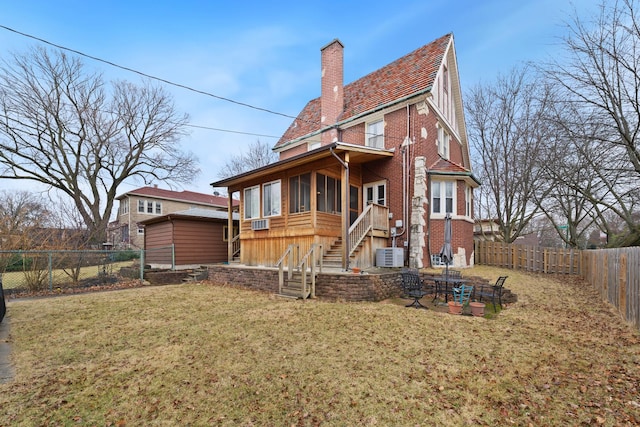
<point>347,287</point>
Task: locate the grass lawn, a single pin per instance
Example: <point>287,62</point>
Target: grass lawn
<point>203,354</point>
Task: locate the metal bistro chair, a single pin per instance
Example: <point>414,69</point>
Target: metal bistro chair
<point>412,286</point>
<point>493,293</point>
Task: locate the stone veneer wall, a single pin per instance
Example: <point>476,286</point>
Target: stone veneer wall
<point>338,286</point>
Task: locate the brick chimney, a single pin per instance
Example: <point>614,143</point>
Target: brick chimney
<point>332,94</point>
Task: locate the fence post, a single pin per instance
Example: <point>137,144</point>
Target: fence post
<point>50,272</point>
<point>141,266</point>
<point>173,256</point>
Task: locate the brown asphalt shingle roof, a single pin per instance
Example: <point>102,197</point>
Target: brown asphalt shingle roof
<point>411,74</point>
<point>183,196</point>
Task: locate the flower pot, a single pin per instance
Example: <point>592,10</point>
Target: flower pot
<point>477,308</point>
<point>455,307</point>
<point>356,270</point>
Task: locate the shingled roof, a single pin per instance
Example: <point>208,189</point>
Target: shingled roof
<point>182,196</point>
<point>411,74</point>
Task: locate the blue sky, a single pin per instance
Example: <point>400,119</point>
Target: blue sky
<point>267,54</point>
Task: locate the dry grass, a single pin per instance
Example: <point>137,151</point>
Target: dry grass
<point>204,354</point>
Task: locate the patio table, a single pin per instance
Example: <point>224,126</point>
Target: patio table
<point>445,285</point>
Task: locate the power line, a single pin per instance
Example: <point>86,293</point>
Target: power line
<point>187,88</point>
<point>148,75</point>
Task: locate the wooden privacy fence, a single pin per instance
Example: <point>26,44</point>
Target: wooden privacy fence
<point>614,273</point>
<point>529,258</point>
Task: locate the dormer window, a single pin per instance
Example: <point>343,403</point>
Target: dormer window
<point>375,134</point>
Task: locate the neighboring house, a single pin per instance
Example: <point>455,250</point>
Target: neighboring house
<point>370,165</point>
<point>187,239</point>
<point>145,203</point>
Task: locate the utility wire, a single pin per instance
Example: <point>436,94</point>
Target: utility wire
<point>184,87</point>
<point>148,75</point>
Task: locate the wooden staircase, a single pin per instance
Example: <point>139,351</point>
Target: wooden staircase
<point>293,287</point>
<point>333,256</point>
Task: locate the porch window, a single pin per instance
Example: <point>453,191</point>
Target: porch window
<point>271,199</point>
<point>468,199</point>
<point>300,193</point>
<point>329,194</point>
<point>375,134</point>
<point>252,202</point>
<point>442,197</point>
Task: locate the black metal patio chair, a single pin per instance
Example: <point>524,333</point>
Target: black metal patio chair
<point>413,287</point>
<point>492,293</point>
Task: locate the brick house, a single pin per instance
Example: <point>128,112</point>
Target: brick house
<point>368,168</point>
<point>145,203</point>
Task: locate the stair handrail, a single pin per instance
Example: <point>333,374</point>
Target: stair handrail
<point>292,254</point>
<point>235,245</point>
<point>302,267</point>
<point>360,228</point>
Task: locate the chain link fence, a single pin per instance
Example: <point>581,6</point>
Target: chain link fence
<point>34,272</point>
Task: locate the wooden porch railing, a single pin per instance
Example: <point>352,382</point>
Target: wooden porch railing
<point>291,256</point>
<point>235,246</point>
<point>374,217</point>
<point>311,261</point>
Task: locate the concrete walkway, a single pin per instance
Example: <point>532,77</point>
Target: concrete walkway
<point>6,368</point>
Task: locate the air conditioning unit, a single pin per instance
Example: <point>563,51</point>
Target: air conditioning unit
<point>390,257</point>
<point>260,224</point>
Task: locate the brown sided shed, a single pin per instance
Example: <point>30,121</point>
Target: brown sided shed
<point>187,239</point>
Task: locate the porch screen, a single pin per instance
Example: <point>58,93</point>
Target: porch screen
<point>300,193</point>
<point>329,194</point>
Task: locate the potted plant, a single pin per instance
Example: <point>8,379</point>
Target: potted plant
<point>477,308</point>
<point>461,297</point>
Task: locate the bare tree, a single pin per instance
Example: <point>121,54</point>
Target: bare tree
<point>507,131</point>
<point>599,79</point>
<point>64,127</point>
<point>258,154</point>
<point>20,213</point>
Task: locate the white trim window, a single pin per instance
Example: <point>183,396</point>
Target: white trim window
<point>443,197</point>
<point>375,134</point>
<point>375,192</point>
<point>149,207</point>
<point>443,142</point>
<point>468,200</point>
<point>271,199</point>
<point>124,206</point>
<point>252,202</point>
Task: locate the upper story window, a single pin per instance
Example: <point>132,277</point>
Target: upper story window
<point>252,202</point>
<point>124,206</point>
<point>149,207</point>
<point>300,193</point>
<point>442,197</point>
<point>271,199</point>
<point>375,134</point>
<point>443,142</point>
<point>329,194</point>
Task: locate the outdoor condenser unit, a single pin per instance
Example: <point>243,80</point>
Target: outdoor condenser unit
<point>390,257</point>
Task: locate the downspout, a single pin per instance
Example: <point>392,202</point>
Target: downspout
<point>405,209</point>
<point>345,209</point>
